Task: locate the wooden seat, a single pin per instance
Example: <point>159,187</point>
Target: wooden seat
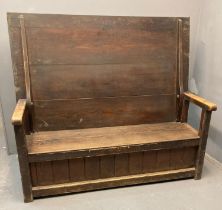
<point>97,141</point>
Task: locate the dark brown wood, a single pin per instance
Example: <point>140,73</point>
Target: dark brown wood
<point>139,50</point>
<point>149,161</point>
<point>121,164</point>
<point>51,145</point>
<point>189,156</point>
<point>77,169</point>
<point>106,93</point>
<point>135,162</point>
<point>44,173</point>
<point>205,124</point>
<point>94,81</point>
<point>92,168</point>
<point>102,112</point>
<point>33,172</point>
<point>60,170</point>
<point>23,162</point>
<point>25,59</point>
<point>184,111</point>
<point>113,182</point>
<point>163,160</point>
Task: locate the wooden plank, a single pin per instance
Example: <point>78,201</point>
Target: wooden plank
<point>189,156</point>
<point>77,169</point>
<point>93,21</point>
<point>110,111</point>
<point>107,166</point>
<point>92,168</point>
<point>112,182</point>
<point>163,160</point>
<point>23,162</point>
<point>25,57</point>
<point>109,140</point>
<point>125,33</point>
<point>107,137</point>
<point>92,46</point>
<point>44,173</point>
<point>177,158</point>
<point>204,125</point>
<point>121,164</point>
<point>135,162</point>
<point>33,173</point>
<point>93,81</point>
<point>60,170</point>
<point>183,157</point>
<point>185,51</point>
<point>149,161</point>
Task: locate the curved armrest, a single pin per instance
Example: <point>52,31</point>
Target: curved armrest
<point>203,103</point>
<point>18,115</point>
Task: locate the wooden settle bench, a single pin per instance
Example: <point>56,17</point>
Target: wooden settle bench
<point>103,102</point>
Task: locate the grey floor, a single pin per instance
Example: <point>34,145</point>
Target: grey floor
<point>205,194</point>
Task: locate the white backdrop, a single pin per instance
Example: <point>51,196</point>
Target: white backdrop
<point>186,8</point>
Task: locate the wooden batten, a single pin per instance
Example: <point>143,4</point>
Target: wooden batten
<point>40,191</point>
<point>180,85</point>
<point>25,59</point>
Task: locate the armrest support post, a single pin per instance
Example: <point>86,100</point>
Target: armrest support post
<point>23,162</point>
<point>203,133</point>
<point>21,127</point>
<point>207,108</point>
<point>184,111</point>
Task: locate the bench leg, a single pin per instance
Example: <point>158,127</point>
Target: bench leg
<point>23,163</point>
<point>203,133</point>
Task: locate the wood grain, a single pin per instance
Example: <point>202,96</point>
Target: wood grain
<point>60,170</point>
<point>23,162</point>
<point>94,81</point>
<point>92,168</point>
<point>107,166</point>
<point>113,182</point>
<point>44,173</point>
<point>121,164</point>
<point>102,112</point>
<point>135,162</point>
<point>112,138</point>
<point>204,125</point>
<point>33,173</point>
<point>149,161</point>
<point>77,169</point>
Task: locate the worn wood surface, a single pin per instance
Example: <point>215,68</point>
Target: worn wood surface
<point>107,166</point>
<point>23,162</point>
<point>203,132</point>
<point>99,57</point>
<point>200,101</point>
<point>102,112</point>
<point>108,138</point>
<point>19,112</point>
<point>40,191</point>
<point>94,81</point>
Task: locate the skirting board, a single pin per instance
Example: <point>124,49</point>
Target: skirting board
<point>57,189</point>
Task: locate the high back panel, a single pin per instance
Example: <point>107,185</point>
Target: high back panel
<point>95,71</point>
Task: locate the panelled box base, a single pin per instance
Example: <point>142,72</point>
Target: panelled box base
<point>107,171</point>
